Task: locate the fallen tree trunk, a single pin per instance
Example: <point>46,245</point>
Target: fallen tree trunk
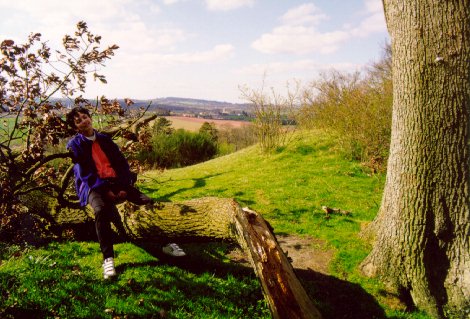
<point>286,296</point>
<point>224,219</point>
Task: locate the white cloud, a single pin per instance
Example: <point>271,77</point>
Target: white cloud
<point>54,18</point>
<point>299,40</point>
<point>374,20</point>
<point>226,5</point>
<point>283,68</point>
<point>52,11</point>
<point>118,22</point>
<point>170,2</point>
<point>303,14</point>
<point>374,6</point>
<point>298,32</point>
<point>372,24</point>
<point>137,37</point>
<point>218,53</point>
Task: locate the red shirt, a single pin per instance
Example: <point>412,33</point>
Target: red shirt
<point>103,166</point>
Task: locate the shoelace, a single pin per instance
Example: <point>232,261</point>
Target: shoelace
<point>175,247</point>
<point>108,265</point>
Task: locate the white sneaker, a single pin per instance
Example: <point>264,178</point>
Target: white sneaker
<point>108,268</point>
<point>173,250</point>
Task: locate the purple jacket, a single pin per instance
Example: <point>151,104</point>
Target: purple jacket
<point>86,176</point>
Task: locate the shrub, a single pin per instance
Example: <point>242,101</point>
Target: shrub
<point>162,126</point>
<point>231,139</point>
<point>272,111</point>
<point>210,130</point>
<point>181,148</point>
<point>358,109</point>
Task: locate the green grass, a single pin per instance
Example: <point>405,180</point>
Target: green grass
<point>63,280</point>
<point>288,188</point>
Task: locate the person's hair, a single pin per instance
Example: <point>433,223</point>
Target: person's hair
<point>76,111</point>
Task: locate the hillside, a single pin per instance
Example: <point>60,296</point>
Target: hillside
<point>289,188</point>
<point>176,105</point>
<point>183,106</point>
<point>297,180</point>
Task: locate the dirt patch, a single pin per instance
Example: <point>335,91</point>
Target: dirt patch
<point>306,253</point>
<point>218,123</point>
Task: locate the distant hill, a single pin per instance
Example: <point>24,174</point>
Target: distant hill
<point>190,105</point>
<point>186,106</point>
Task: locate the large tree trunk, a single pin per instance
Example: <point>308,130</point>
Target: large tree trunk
<point>422,246</point>
<point>222,219</point>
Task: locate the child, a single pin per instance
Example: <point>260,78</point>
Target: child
<point>103,179</point>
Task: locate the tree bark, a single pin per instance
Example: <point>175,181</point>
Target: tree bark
<point>223,219</point>
<point>422,246</point>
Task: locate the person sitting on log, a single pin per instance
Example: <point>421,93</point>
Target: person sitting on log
<point>102,180</point>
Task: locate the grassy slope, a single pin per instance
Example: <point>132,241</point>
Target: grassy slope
<point>288,188</point>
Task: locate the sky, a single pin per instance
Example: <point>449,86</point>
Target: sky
<point>208,49</point>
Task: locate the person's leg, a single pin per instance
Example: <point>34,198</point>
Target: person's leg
<point>103,214</point>
<point>137,197</point>
<point>103,211</point>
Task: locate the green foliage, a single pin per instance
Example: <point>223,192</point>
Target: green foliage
<point>358,109</point>
<point>176,148</point>
<point>181,148</point>
<point>231,139</point>
<point>162,126</point>
<point>210,130</point>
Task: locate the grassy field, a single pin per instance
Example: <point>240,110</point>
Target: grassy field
<point>289,187</point>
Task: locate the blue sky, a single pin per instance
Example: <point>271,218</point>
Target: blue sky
<point>207,49</point>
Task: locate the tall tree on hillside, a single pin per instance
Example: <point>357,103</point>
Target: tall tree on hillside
<point>422,246</point>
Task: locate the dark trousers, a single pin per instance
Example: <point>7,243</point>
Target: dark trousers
<point>106,213</point>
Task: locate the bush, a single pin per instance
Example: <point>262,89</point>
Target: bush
<point>273,115</point>
<point>210,130</point>
<point>357,109</point>
<point>231,139</point>
<point>169,148</point>
<point>181,148</point>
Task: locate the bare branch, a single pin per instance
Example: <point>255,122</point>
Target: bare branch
<point>44,160</point>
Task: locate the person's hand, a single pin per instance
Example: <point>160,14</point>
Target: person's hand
<point>122,195</point>
<point>111,196</point>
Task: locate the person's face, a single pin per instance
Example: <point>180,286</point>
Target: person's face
<point>83,124</point>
